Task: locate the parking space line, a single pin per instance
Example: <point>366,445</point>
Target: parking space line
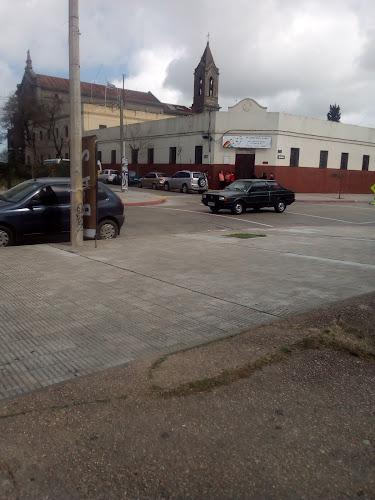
<point>331,261</point>
<point>326,218</point>
<point>216,215</point>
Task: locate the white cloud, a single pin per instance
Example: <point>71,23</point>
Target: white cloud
<point>290,55</point>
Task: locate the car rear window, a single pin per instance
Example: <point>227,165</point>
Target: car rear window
<point>102,195</point>
<point>198,174</point>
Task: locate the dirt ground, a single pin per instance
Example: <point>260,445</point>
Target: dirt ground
<point>284,410</point>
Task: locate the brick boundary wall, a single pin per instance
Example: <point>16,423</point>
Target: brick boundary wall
<point>300,179</point>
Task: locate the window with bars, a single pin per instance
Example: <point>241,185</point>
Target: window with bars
<point>150,156</point>
<point>365,162</point>
<point>344,161</point>
<point>323,159</point>
<point>294,157</point>
<point>172,156</point>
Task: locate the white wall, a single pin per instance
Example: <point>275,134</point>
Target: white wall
<point>245,118</point>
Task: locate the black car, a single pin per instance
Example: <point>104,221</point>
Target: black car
<point>42,206</point>
<point>249,193</point>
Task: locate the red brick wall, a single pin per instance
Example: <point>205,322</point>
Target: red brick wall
<point>300,179</point>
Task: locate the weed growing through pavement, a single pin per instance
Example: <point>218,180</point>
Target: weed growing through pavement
<point>245,235</point>
<point>340,338</point>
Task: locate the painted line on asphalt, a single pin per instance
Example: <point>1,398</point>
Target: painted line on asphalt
<point>217,215</point>
<point>331,261</point>
<point>326,218</point>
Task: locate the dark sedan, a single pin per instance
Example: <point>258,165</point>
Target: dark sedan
<point>42,206</point>
<point>249,193</point>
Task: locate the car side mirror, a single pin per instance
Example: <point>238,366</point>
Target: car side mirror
<point>32,203</point>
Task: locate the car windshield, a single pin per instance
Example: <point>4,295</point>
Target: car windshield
<point>239,186</point>
<point>19,192</point>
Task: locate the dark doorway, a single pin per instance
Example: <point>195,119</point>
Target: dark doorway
<point>244,166</point>
<point>198,155</point>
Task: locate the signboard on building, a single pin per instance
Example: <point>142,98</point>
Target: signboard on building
<point>246,141</point>
<point>89,180</point>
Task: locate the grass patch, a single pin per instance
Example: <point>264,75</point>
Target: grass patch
<point>245,236</point>
<point>336,339</point>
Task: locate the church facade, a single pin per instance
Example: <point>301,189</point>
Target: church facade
<point>99,110</point>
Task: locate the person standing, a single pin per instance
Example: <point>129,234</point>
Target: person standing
<point>232,177</point>
<point>264,175</point>
<point>272,178</point>
<point>221,179</point>
<point>227,178</point>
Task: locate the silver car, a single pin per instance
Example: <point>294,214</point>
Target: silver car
<point>154,180</point>
<point>187,181</point>
<point>108,175</point>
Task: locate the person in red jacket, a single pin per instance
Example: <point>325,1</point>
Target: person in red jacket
<point>232,177</point>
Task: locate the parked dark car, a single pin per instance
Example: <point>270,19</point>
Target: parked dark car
<point>249,193</point>
<point>132,178</point>
<point>42,206</point>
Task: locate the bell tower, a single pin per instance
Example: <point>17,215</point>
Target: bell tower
<point>206,84</point>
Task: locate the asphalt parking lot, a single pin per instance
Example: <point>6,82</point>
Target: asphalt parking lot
<point>173,279</point>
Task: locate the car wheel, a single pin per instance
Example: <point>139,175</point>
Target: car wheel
<point>107,229</point>
<point>280,206</point>
<point>166,186</point>
<point>139,184</point>
<point>154,185</point>
<point>201,182</point>
<point>6,237</point>
<point>214,210</point>
<point>184,189</point>
<point>238,208</point>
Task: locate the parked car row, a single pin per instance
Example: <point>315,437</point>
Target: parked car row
<point>111,176</point>
<point>42,206</point>
<point>184,180</point>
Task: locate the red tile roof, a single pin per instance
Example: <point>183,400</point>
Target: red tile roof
<point>95,90</point>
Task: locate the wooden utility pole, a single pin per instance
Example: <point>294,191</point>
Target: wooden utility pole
<point>76,196</point>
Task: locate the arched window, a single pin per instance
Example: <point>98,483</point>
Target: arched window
<point>200,86</point>
<point>211,88</point>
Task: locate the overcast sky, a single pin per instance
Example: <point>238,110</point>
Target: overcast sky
<point>295,56</point>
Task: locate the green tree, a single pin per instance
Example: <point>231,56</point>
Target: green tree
<point>334,114</point>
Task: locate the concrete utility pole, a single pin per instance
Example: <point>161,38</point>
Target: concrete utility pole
<point>76,196</point>
<point>124,172</point>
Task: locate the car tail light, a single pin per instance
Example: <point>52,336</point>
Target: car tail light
<point>192,181</point>
<point>161,179</point>
<point>122,203</point>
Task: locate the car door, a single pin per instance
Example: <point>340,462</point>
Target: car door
<point>62,212</point>
<point>176,181</point>
<point>41,214</point>
<point>258,195</point>
<point>276,192</point>
<point>149,179</point>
